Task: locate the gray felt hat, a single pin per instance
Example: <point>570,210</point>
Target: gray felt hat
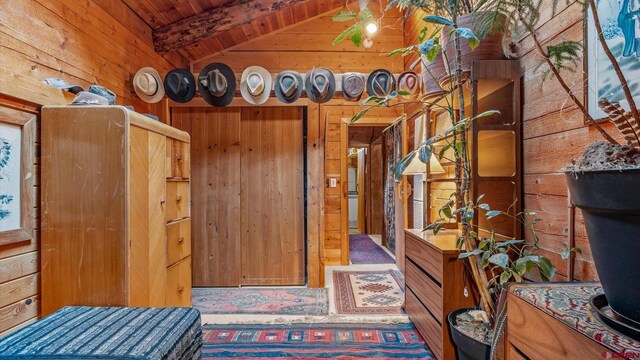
<point>288,86</point>
<point>320,85</point>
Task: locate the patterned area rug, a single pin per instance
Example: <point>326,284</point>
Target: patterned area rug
<point>368,292</point>
<point>363,250</point>
<point>569,303</point>
<point>314,341</point>
<point>273,301</point>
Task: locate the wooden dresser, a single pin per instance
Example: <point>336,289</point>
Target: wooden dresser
<point>115,209</point>
<point>434,286</point>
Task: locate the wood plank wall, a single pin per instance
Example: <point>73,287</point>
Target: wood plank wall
<point>554,135</point>
<point>83,45</point>
<point>302,47</point>
<point>309,44</point>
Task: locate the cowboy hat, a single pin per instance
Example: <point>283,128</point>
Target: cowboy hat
<point>255,85</point>
<point>410,82</point>
<point>288,86</point>
<point>148,85</point>
<point>381,83</point>
<point>352,86</point>
<point>320,85</point>
<point>217,84</point>
<point>180,85</point>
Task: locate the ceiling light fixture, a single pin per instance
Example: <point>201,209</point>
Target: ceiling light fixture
<point>372,28</point>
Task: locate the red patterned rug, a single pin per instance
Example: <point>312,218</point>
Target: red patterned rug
<point>368,292</point>
<point>314,341</point>
<point>272,301</point>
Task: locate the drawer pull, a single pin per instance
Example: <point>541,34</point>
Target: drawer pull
<point>181,240</point>
<point>162,201</point>
<point>178,198</point>
<point>181,289</point>
<point>178,157</point>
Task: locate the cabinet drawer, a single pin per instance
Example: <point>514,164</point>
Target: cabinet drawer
<point>428,327</point>
<point>179,284</point>
<point>178,241</point>
<point>177,201</point>
<point>425,289</point>
<point>424,256</point>
<point>178,159</point>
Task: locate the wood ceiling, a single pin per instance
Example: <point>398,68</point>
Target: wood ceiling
<point>201,28</point>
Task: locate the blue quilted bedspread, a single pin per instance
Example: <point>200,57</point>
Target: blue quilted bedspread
<point>108,333</point>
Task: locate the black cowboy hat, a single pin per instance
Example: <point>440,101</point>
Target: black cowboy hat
<point>381,83</point>
<point>179,85</point>
<point>288,86</point>
<point>352,86</point>
<point>217,84</point>
<point>320,85</point>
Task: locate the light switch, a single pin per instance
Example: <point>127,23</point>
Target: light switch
<point>333,182</point>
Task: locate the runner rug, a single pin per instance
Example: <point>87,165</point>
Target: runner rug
<point>363,250</point>
<point>273,301</point>
<point>368,292</point>
<point>314,341</point>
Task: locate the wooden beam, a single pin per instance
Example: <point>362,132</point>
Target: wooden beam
<point>231,14</point>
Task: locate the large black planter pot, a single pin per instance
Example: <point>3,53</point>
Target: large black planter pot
<point>467,348</point>
<point>610,204</point>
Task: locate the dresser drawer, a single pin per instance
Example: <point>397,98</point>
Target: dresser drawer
<point>178,241</point>
<point>428,327</point>
<point>425,289</point>
<point>178,159</point>
<point>177,201</point>
<point>179,284</point>
<point>424,256</point>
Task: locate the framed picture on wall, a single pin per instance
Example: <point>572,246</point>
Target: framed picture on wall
<point>620,21</point>
<point>17,176</point>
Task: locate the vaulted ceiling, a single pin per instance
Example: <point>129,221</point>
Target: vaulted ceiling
<point>200,28</point>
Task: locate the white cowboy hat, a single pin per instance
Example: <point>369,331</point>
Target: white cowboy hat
<point>255,85</point>
<point>148,85</point>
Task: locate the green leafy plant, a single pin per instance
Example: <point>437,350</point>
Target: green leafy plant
<point>492,261</point>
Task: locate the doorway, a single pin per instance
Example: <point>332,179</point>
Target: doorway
<point>366,203</point>
<point>248,194</point>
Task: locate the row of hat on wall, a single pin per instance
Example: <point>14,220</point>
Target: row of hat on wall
<point>217,85</point>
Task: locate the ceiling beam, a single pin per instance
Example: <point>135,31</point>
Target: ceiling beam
<point>209,23</point>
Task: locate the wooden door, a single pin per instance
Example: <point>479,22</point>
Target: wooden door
<point>215,188</point>
<point>272,196</point>
<point>361,181</point>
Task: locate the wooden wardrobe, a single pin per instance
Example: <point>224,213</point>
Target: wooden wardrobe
<point>115,209</point>
<point>248,194</point>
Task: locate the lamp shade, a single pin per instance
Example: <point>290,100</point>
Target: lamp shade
<point>417,167</point>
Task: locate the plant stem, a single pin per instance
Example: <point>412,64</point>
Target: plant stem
<point>463,190</point>
<point>614,62</point>
<point>566,87</point>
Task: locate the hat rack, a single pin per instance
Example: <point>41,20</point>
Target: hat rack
<point>338,78</point>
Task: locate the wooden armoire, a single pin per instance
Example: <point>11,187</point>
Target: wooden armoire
<point>115,209</point>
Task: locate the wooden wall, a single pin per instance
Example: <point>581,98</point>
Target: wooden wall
<point>83,45</point>
<point>302,47</point>
<point>554,136</point>
<point>309,44</point>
